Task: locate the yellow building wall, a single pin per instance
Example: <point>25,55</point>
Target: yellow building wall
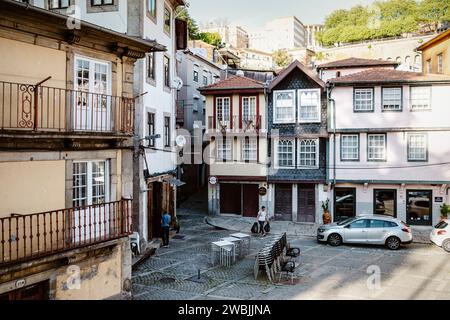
<point>31,187</point>
<point>27,63</point>
<point>432,52</point>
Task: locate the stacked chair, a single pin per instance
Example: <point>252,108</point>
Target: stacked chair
<point>276,256</point>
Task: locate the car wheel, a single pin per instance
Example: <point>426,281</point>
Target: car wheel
<point>393,243</point>
<point>446,245</point>
<point>334,239</point>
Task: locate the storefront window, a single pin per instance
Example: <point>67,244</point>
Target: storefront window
<point>418,209</point>
<point>344,203</point>
<point>385,202</point>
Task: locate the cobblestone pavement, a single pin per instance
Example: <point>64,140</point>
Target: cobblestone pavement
<point>417,271</point>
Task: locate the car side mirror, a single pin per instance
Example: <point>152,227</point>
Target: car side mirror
<point>347,226</point>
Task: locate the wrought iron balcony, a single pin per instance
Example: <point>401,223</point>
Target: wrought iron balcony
<point>26,237</point>
<point>235,123</point>
<point>26,107</point>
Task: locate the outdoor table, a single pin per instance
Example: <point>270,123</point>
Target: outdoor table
<point>223,252</point>
<point>245,248</point>
<point>238,245</point>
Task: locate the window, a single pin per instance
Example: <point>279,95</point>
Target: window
<point>418,207</point>
<point>420,98</point>
<point>90,183</point>
<point>308,153</point>
<point>151,65</point>
<point>195,75</point>
<point>205,80</point>
<point>166,132</point>
<point>167,20</point>
<point>151,128</point>
<point>58,4</point>
<point>392,99</point>
<point>359,224</point>
<point>284,102</point>
<point>429,66</point>
<point>440,68</point>
<point>363,99</point>
<point>223,111</point>
<point>417,147</point>
<point>385,202</point>
<point>285,154</point>
<point>151,8</point>
<point>248,109</point>
<point>349,147</point>
<point>167,72</point>
<point>249,149</point>
<point>376,223</point>
<point>344,203</point>
<point>309,110</point>
<point>101,2</point>
<point>224,149</point>
<point>376,147</point>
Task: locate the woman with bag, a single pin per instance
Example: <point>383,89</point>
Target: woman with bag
<point>262,218</point>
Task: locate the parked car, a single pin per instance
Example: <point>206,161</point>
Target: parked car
<point>373,229</point>
<point>440,235</point>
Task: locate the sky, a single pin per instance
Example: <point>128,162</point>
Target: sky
<point>253,14</point>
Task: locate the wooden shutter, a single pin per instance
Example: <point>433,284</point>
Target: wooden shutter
<point>181,34</point>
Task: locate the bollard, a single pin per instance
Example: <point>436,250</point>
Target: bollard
<point>198,274</point>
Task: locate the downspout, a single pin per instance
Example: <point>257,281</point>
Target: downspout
<point>332,105</point>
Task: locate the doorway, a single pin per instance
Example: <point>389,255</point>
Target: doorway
<point>306,203</point>
<point>38,291</point>
<point>283,202</point>
<point>419,207</point>
<point>344,203</point>
<point>250,200</point>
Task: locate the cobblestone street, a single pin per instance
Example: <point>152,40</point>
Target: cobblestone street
<point>417,271</point>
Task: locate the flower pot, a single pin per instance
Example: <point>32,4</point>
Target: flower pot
<point>326,217</point>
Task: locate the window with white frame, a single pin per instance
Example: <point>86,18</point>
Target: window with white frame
<point>308,151</point>
<point>223,111</point>
<point>440,66</point>
<point>90,183</point>
<point>420,98</point>
<point>309,105</point>
<point>417,147</point>
<point>248,108</point>
<point>349,147</point>
<point>376,147</point>
<point>285,153</point>
<point>58,4</point>
<point>249,149</point>
<point>223,147</point>
<point>392,99</point>
<point>363,99</point>
<point>284,106</point>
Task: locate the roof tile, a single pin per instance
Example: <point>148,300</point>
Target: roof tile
<point>388,76</point>
<point>234,82</point>
<point>357,62</point>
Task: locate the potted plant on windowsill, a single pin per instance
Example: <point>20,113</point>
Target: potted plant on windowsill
<point>326,217</point>
<point>445,210</point>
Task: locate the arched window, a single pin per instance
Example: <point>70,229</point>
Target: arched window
<point>308,151</point>
<point>285,153</point>
<point>398,59</point>
<point>389,59</point>
<point>407,59</point>
<point>338,74</point>
<point>417,59</point>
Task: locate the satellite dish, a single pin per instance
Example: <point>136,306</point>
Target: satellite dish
<point>177,83</point>
<point>180,141</point>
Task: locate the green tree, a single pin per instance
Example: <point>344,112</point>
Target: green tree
<point>212,38</point>
<point>193,31</point>
<point>434,12</point>
<point>282,58</point>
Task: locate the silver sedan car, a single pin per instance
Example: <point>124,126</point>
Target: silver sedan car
<point>373,229</point>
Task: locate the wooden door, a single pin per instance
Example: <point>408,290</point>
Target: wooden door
<point>250,198</point>
<point>306,203</point>
<point>155,209</point>
<point>38,291</point>
<point>283,202</point>
<point>230,198</point>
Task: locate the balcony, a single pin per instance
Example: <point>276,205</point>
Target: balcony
<point>26,108</point>
<point>31,236</point>
<point>235,124</point>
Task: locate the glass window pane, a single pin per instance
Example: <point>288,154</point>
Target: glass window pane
<point>344,202</point>
<point>392,99</point>
<point>418,209</point>
<point>385,202</point>
<point>363,99</point>
<point>420,98</point>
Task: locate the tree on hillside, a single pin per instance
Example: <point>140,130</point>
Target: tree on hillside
<point>282,58</point>
<point>192,24</point>
<point>434,12</point>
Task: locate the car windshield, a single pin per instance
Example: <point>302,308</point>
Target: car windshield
<point>341,223</point>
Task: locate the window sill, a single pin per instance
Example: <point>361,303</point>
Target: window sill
<point>151,18</point>
<point>309,121</point>
<point>103,8</point>
<point>284,122</point>
<point>167,89</point>
<point>363,111</point>
<point>350,160</point>
<point>400,110</point>
<point>151,81</point>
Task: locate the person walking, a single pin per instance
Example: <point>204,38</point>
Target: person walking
<point>165,224</point>
<point>262,218</point>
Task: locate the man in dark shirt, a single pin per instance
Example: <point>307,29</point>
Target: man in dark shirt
<point>165,224</point>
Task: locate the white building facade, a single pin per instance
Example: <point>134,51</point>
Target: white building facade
<point>388,145</point>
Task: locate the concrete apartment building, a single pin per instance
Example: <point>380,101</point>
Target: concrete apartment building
<point>387,153</point>
<point>436,54</point>
<point>280,33</point>
<point>66,156</point>
<point>232,36</point>
<point>254,60</point>
<point>237,135</point>
<point>155,87</point>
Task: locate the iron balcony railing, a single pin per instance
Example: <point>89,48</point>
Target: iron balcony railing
<point>235,123</point>
<point>26,237</point>
<point>27,107</point>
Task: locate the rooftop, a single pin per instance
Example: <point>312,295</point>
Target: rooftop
<point>236,83</point>
<point>389,76</point>
<point>442,36</point>
<point>357,62</point>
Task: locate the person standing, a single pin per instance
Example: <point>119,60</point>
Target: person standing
<point>262,218</point>
<point>165,224</point>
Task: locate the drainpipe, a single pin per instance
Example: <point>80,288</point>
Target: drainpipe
<point>332,105</point>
